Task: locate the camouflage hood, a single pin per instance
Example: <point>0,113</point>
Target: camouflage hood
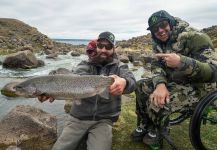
<point>177,27</point>
<point>159,16</point>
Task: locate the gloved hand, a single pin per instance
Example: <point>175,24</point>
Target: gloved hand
<point>91,49</point>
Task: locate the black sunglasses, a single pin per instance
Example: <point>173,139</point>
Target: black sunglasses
<point>107,46</point>
<point>162,25</point>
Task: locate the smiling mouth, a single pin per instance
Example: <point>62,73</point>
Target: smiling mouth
<point>163,36</point>
<point>103,55</point>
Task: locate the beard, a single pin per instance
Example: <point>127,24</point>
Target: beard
<point>103,58</point>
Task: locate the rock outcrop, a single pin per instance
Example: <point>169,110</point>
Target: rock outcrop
<point>28,128</point>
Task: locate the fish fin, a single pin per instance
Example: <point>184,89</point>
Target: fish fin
<point>104,94</point>
<point>39,93</point>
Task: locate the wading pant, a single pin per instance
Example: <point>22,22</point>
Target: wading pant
<point>97,133</point>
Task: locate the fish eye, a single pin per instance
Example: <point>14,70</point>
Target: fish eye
<point>17,87</point>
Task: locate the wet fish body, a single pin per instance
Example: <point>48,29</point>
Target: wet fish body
<point>65,86</point>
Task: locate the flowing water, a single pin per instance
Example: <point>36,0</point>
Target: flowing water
<point>57,107</point>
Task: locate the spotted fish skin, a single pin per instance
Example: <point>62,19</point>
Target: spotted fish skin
<point>65,86</point>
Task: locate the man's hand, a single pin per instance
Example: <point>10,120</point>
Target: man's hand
<point>172,59</point>
<point>43,98</point>
<point>118,86</point>
<point>160,95</point>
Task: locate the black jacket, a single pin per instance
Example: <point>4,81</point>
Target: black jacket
<point>96,107</point>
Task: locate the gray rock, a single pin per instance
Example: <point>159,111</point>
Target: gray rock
<point>124,58</point>
<point>74,53</point>
<point>60,71</point>
<point>13,148</point>
<point>48,51</point>
<point>52,56</point>
<point>145,59</point>
<point>28,128</point>
<point>134,56</point>
<point>23,59</point>
<point>40,63</point>
<point>137,63</point>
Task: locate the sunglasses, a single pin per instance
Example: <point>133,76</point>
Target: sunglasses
<point>162,25</point>
<point>107,46</point>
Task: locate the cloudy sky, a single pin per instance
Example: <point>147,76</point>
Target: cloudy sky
<point>85,19</point>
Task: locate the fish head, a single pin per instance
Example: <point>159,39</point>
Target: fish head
<point>25,90</point>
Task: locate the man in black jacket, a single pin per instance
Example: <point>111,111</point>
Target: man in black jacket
<point>93,117</point>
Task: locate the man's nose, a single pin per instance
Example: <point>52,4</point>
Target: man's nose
<point>160,29</point>
<point>103,49</point>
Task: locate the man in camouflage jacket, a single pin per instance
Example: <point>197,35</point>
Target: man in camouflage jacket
<point>184,69</point>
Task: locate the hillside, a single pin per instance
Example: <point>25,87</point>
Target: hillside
<point>137,43</point>
<point>15,35</point>
<point>212,32</point>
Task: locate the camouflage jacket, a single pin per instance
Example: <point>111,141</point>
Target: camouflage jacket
<point>198,57</point>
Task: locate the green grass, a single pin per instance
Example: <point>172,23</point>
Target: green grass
<point>127,123</point>
<point>123,128</point>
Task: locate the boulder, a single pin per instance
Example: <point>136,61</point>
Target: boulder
<point>48,51</point>
<point>23,59</point>
<point>52,56</point>
<point>134,56</point>
<point>40,63</point>
<point>28,128</point>
<point>137,63</point>
<point>145,59</point>
<point>64,51</point>
<point>124,58</point>
<point>60,71</point>
<point>74,53</point>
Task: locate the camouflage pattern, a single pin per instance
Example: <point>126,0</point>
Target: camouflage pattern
<point>198,57</point>
<point>188,83</point>
<point>181,96</point>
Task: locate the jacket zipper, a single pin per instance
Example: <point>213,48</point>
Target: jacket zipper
<point>95,107</point>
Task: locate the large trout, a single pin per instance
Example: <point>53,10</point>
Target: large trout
<point>65,86</point>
